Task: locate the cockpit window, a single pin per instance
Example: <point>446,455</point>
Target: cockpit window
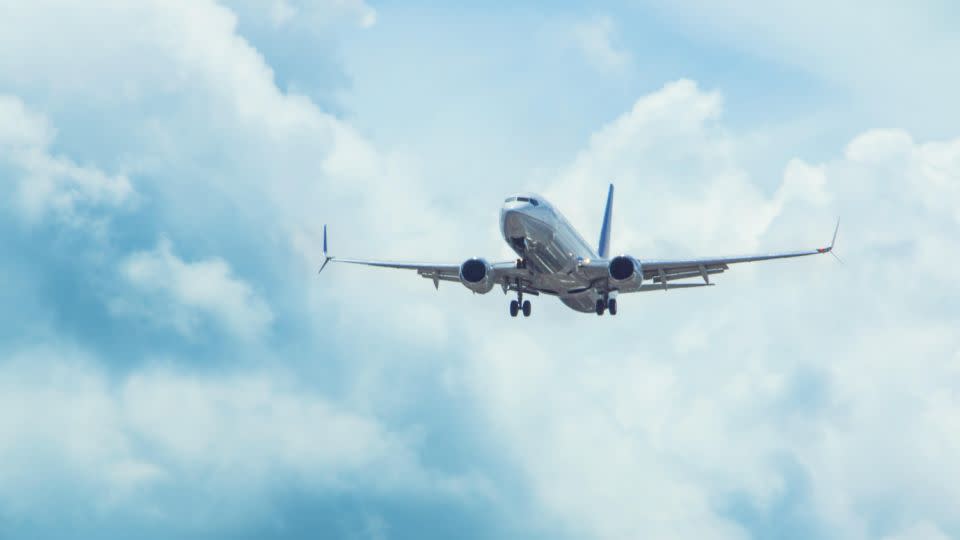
<point>522,199</point>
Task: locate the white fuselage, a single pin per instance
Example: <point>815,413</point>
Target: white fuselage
<point>550,247</point>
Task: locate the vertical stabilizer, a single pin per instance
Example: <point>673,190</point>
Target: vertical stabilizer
<point>604,250</point>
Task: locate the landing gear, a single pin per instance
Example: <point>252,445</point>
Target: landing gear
<point>518,305</point>
<point>606,304</point>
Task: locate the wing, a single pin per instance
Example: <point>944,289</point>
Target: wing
<point>663,271</point>
<point>437,272</point>
<point>505,273</point>
<point>660,272</point>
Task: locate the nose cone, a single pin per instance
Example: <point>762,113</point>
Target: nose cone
<point>511,220</point>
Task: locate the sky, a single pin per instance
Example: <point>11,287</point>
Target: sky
<point>172,366</point>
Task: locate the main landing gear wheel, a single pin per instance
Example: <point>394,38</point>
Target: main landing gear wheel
<point>612,306</point>
<point>518,305</point>
<point>600,307</point>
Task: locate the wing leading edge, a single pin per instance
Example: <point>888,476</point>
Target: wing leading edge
<point>434,271</point>
<point>667,270</point>
<point>660,272</point>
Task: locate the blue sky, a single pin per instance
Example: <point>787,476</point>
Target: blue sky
<point>172,366</point>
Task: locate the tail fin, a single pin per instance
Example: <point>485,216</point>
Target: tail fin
<point>604,249</point>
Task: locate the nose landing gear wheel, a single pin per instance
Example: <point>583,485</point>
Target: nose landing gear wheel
<point>526,308</point>
<point>514,308</point>
<point>600,307</point>
<point>612,306</point>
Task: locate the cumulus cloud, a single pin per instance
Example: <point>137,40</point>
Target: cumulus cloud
<point>887,57</point>
<point>671,158</point>
<point>228,134</point>
<point>70,434</point>
<point>774,397</point>
<point>182,294</point>
<point>778,395</point>
<point>596,39</point>
<point>44,184</point>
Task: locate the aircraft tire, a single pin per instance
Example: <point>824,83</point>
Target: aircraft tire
<point>526,308</point>
<point>612,306</point>
<point>600,307</point>
<point>514,308</point>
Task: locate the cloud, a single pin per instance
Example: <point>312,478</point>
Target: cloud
<point>181,294</point>
<point>281,12</point>
<point>596,39</point>
<point>919,531</point>
<point>672,159</point>
<point>317,13</point>
<point>886,57</point>
<point>44,184</point>
<point>178,448</point>
<point>774,398</point>
<point>226,134</point>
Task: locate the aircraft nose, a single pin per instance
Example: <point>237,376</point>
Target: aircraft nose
<point>511,220</point>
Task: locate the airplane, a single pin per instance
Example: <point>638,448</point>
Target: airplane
<point>553,259</point>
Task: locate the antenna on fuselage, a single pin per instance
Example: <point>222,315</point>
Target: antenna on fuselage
<point>604,247</point>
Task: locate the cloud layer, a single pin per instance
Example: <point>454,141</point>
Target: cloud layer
<point>176,365</point>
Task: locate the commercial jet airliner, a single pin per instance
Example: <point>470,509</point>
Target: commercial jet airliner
<point>553,259</point>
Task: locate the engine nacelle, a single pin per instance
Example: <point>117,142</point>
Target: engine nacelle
<point>477,275</point>
<point>625,269</point>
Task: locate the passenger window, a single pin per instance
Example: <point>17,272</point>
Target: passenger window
<point>523,199</point>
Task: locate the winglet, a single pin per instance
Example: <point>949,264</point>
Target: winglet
<point>829,249</point>
<point>326,258</point>
<point>604,248</point>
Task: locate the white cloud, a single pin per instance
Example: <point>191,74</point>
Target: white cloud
<point>281,12</point>
<point>676,169</point>
<point>919,531</point>
<point>596,39</point>
<point>813,380</point>
<point>275,151</point>
<point>889,55</point>
<point>645,427</point>
<point>228,136</point>
<point>72,435</point>
<point>181,293</point>
<point>45,184</point>
<point>315,13</point>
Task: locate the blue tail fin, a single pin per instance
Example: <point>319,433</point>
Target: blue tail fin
<point>604,250</point>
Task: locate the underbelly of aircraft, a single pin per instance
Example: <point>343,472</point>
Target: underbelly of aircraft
<point>585,301</point>
<point>552,255</point>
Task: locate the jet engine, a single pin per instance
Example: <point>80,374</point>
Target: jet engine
<point>477,275</point>
<point>625,269</point>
